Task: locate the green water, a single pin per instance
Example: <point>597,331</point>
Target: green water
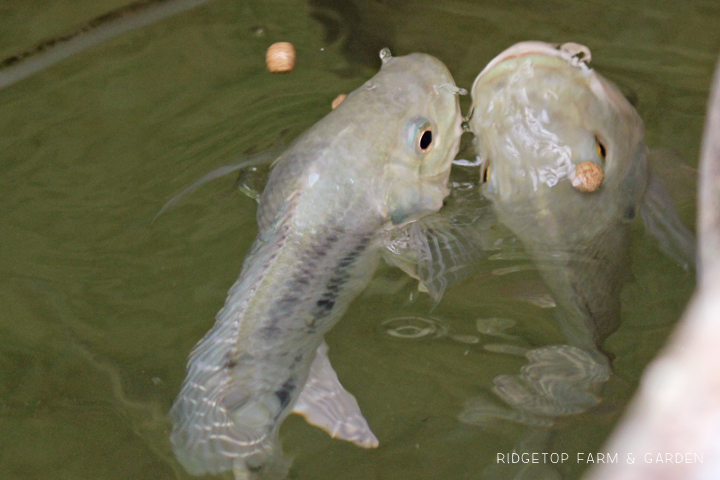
<point>99,306</point>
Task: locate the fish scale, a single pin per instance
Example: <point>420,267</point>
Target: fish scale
<point>368,167</point>
<point>540,115</point>
<point>273,353</point>
<point>554,106</point>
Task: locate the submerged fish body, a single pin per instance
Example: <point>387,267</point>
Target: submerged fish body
<point>677,401</point>
<point>539,112</point>
<point>541,119</point>
<point>379,161</point>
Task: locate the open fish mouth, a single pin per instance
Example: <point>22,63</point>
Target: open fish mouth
<point>575,54</point>
<point>541,96</point>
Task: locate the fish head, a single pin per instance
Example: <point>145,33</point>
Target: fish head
<point>416,121</point>
<point>540,112</point>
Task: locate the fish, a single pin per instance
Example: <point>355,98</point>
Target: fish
<point>563,160</point>
<point>380,161</point>
<point>677,406</point>
<point>542,118</point>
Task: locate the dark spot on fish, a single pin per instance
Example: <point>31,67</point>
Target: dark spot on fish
<point>299,283</point>
<point>232,363</point>
<point>398,217</point>
<point>340,276</point>
<point>254,468</point>
<point>271,331</point>
<point>285,393</point>
<point>291,298</point>
<point>326,304</point>
<point>630,213</point>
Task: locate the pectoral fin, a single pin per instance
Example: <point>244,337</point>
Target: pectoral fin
<point>263,159</point>
<point>446,253</point>
<point>662,222</point>
<point>327,405</point>
<point>444,247</point>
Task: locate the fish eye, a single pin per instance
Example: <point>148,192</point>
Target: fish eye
<point>426,139</point>
<point>420,135</point>
<point>485,174</point>
<point>601,151</point>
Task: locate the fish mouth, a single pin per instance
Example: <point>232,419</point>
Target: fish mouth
<point>520,84</point>
<point>575,54</point>
<point>435,189</point>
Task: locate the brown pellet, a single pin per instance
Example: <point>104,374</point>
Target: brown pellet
<point>280,57</point>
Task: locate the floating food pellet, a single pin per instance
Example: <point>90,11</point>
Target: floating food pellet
<point>280,57</point>
<point>588,177</point>
<point>338,100</point>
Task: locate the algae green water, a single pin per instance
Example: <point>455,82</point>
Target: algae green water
<point>99,306</point>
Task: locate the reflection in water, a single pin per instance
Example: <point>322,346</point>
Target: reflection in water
<point>485,412</point>
<point>415,327</point>
<point>496,327</point>
<point>362,28</point>
<point>559,380</point>
<point>148,419</point>
<point>105,27</point>
<point>411,328</point>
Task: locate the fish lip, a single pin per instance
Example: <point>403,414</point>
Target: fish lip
<point>440,178</point>
<point>525,49</point>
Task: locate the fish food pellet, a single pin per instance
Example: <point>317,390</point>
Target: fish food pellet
<point>588,177</point>
<point>280,57</point>
<point>338,100</point>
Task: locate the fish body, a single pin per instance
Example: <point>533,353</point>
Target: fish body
<point>565,165</point>
<point>677,403</point>
<point>539,112</point>
<point>377,162</point>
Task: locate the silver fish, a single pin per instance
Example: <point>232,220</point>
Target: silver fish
<point>540,115</point>
<point>677,405</point>
<point>379,161</point>
<point>542,119</point>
